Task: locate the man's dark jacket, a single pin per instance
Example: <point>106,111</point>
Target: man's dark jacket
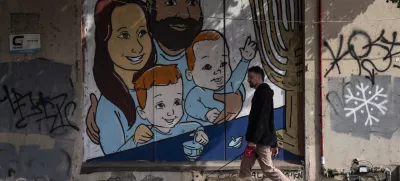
<point>261,128</point>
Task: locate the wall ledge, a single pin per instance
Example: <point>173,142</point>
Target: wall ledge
<point>146,166</point>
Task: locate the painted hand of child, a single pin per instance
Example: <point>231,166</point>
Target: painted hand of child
<point>212,115</point>
<point>143,134</point>
<point>200,137</point>
<point>248,52</point>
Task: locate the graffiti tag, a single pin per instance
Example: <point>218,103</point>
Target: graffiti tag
<point>363,58</point>
<point>40,108</point>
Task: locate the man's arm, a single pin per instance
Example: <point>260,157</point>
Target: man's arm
<point>261,124</point>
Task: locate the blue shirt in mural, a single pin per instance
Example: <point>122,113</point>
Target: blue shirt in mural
<point>115,134</point>
<point>180,128</point>
<point>200,100</point>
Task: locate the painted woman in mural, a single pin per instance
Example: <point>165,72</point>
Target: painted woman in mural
<point>124,50</point>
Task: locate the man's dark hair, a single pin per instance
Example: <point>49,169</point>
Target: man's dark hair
<point>258,70</point>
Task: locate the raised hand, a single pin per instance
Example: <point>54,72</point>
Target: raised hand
<point>248,52</point>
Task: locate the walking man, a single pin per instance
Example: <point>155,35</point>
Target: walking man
<point>261,135</point>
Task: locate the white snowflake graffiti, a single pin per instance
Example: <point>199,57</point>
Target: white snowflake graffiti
<point>366,100</point>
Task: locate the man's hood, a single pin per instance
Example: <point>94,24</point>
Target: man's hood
<point>266,87</point>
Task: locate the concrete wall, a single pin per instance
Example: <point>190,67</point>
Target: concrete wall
<point>360,80</point>
<point>40,92</point>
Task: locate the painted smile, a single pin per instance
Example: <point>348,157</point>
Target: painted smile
<point>179,27</point>
<point>135,59</point>
<point>170,121</point>
<point>218,80</point>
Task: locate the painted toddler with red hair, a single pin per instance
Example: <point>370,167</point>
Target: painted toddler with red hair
<point>209,67</point>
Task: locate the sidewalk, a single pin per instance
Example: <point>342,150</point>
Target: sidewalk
<point>230,173</point>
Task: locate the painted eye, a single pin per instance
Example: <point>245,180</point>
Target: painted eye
<point>177,102</point>
<point>223,64</point>
<point>160,106</point>
<point>124,36</point>
<point>192,2</point>
<point>142,33</point>
<point>207,67</point>
<point>170,2</point>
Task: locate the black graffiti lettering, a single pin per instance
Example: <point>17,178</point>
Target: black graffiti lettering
<point>337,57</point>
<point>44,108</point>
<point>363,57</point>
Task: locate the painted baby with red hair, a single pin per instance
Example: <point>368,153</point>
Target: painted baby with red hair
<point>209,66</point>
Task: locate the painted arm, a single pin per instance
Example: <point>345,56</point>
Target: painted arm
<point>194,105</point>
<point>237,77</point>
<point>199,135</point>
<point>110,122</point>
<point>185,127</point>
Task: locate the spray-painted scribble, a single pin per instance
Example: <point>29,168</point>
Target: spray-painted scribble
<point>364,58</point>
<point>41,108</point>
<point>37,97</point>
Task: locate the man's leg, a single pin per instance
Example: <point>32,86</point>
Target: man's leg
<point>246,165</point>
<point>265,161</point>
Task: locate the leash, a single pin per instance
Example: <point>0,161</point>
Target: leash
<point>223,166</point>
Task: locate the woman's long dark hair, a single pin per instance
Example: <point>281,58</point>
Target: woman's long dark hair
<point>108,81</point>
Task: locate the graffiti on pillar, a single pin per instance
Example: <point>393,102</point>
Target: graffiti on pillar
<point>148,92</point>
<point>37,97</point>
<point>363,99</point>
<point>385,46</point>
<point>361,108</point>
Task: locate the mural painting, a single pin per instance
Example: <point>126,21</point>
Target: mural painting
<point>160,80</point>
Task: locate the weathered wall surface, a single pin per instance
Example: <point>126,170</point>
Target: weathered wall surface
<point>360,83</point>
<point>209,94</point>
<point>43,128</point>
<point>40,92</point>
<point>361,80</point>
